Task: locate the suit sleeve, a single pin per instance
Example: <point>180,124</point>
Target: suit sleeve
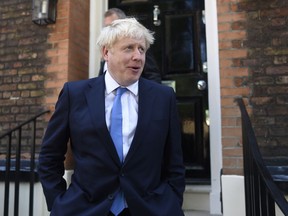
<point>53,149</point>
<point>174,168</point>
<point>151,70</point>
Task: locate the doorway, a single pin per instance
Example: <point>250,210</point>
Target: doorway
<point>97,9</point>
<point>180,51</point>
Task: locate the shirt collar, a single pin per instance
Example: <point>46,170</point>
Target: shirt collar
<point>111,85</point>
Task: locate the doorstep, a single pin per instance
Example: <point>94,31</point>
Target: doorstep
<point>198,213</point>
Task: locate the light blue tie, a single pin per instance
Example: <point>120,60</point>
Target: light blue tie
<point>116,134</point>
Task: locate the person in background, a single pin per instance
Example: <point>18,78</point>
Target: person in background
<point>125,137</point>
<point>151,70</point>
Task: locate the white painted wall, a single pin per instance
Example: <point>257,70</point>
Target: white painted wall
<point>214,104</point>
<point>39,209</point>
<point>195,197</point>
<point>234,196</point>
<point>97,10</point>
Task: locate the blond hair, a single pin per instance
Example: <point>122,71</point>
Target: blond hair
<point>120,28</point>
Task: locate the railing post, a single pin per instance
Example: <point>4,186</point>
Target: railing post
<point>32,167</point>
<point>261,192</point>
<point>7,176</point>
<point>18,164</point>
<point>17,173</point>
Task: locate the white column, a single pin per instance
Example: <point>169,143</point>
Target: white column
<point>97,9</point>
<point>214,104</point>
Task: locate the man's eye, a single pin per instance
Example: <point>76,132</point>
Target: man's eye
<point>141,50</point>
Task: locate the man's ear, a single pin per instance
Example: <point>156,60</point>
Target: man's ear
<point>105,53</point>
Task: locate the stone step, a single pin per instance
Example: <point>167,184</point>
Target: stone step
<point>198,213</point>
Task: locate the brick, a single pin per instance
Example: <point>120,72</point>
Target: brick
<point>281,79</point>
<point>233,163</point>
<point>25,94</point>
<point>230,121</point>
<point>27,86</point>
<point>236,91</point>
<point>277,12</point>
<point>277,110</point>
<point>37,93</point>
<point>226,63</point>
<point>231,142</point>
<point>276,90</point>
<point>232,35</point>
<point>234,71</point>
<point>279,60</point>
<point>38,77</point>
<point>262,100</point>
<point>263,80</point>
<point>224,27</point>
<point>275,51</point>
<point>24,71</point>
<point>230,54</point>
<point>234,171</point>
<point>55,37</point>
<point>282,100</point>
<point>227,82</point>
<point>240,81</point>
<point>233,152</point>
<point>228,102</point>
<point>230,112</point>
<point>231,17</point>
<point>8,87</point>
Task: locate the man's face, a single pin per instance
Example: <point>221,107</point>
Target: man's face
<point>126,59</point>
<point>108,20</point>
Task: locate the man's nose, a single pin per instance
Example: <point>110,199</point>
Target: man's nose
<point>137,54</point>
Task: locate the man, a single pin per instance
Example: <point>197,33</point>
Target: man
<point>146,176</point>
<point>151,70</point>
<point>112,14</point>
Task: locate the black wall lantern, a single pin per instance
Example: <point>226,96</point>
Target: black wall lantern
<point>44,12</point>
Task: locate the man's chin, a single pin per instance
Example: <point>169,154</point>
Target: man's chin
<point>132,79</point>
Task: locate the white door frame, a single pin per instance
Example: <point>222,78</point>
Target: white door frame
<point>214,104</point>
<point>97,9</point>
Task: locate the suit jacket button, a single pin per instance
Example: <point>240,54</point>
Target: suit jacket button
<point>110,196</point>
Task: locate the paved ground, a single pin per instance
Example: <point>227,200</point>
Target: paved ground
<point>198,213</point>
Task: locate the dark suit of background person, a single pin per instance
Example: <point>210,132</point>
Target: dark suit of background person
<point>151,70</point>
<point>152,174</point>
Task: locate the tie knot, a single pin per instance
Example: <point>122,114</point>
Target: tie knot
<point>120,91</point>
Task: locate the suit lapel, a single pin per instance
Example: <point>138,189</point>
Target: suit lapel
<point>144,116</point>
<point>95,96</point>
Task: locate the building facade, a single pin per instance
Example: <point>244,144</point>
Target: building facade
<point>247,56</point>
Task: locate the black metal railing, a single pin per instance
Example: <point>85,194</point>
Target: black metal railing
<point>261,192</point>
<point>12,165</point>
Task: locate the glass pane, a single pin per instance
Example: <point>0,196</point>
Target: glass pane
<point>187,110</point>
<point>180,49</point>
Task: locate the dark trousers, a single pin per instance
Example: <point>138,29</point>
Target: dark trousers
<point>125,212</point>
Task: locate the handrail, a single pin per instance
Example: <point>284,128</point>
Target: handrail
<point>17,165</point>
<point>24,123</point>
<point>261,192</point>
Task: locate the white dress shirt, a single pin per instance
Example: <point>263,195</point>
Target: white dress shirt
<point>129,102</point>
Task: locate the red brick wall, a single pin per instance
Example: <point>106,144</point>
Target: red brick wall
<point>22,65</point>
<point>79,40</point>
<point>70,47</point>
<point>253,65</point>
<point>231,36</point>
<point>35,61</point>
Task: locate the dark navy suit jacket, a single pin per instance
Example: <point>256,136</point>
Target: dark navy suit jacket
<point>152,176</point>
